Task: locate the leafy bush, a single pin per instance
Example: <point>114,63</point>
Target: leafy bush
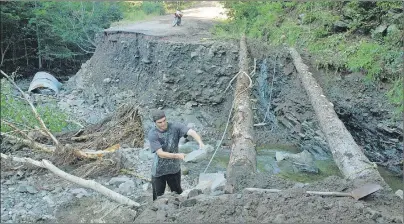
<point>310,26</point>
<point>16,110</point>
<point>153,8</point>
<point>367,58</point>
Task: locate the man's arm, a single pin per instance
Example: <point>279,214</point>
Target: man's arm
<point>196,137</point>
<point>168,155</point>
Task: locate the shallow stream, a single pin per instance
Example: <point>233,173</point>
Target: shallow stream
<point>266,162</point>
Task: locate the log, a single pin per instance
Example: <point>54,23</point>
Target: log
<point>261,190</point>
<point>348,156</point>
<point>77,180</point>
<point>242,161</point>
<point>30,143</point>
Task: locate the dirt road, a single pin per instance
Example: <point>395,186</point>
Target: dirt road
<point>196,23</point>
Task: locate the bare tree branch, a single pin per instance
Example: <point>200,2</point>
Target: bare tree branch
<point>33,109</point>
<point>16,129</point>
<point>89,52</point>
<point>77,180</point>
<point>30,143</point>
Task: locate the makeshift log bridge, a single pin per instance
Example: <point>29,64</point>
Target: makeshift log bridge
<point>349,158</point>
<point>242,161</point>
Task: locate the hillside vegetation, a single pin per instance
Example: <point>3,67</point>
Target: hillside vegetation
<point>347,37</point>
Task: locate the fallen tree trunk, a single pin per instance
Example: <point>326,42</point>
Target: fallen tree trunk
<point>242,161</point>
<point>349,158</point>
<point>77,180</point>
<point>29,142</point>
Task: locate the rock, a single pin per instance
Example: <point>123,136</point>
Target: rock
<point>218,183</point>
<point>127,187</point>
<point>380,29</point>
<point>289,69</point>
<point>146,61</point>
<point>8,182</point>
<point>239,196</point>
<point>280,218</point>
<point>189,203</point>
<point>279,155</point>
<point>198,71</point>
<point>196,156</point>
<point>211,182</point>
<point>318,152</point>
<point>359,206</point>
<point>399,193</point>
<point>57,189</point>
<point>194,192</point>
<point>372,213</point>
<point>31,190</point>
<point>49,200</point>
<point>129,158</point>
<point>145,154</point>
<point>79,192</point>
<point>340,26</point>
<point>299,185</point>
<point>119,180</point>
<point>106,80</point>
<point>209,148</point>
<point>217,193</point>
<point>145,186</point>
<point>186,192</point>
<point>194,54</point>
<point>392,28</point>
<point>188,147</point>
<point>23,188</point>
<point>300,162</point>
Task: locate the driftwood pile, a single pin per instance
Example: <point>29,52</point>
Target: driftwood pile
<point>90,149</point>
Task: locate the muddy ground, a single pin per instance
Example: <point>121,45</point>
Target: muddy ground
<point>185,71</point>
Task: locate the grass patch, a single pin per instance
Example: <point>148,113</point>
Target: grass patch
<point>311,27</point>
<point>16,110</point>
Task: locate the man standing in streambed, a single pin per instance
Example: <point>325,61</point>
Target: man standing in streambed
<point>164,139</point>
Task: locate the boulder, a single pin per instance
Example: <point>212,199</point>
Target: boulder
<point>209,148</point>
<point>211,182</point>
<point>300,162</point>
<point>145,154</point>
<point>116,181</point>
<point>194,192</point>
<point>127,188</point>
<point>399,193</point>
<point>188,146</point>
<point>196,156</point>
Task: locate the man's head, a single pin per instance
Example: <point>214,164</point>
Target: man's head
<point>159,119</point>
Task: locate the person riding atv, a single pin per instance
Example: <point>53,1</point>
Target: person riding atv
<point>177,18</point>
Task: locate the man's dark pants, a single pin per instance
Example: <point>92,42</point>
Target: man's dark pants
<point>159,184</point>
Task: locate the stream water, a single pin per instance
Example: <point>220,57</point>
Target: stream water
<point>266,162</point>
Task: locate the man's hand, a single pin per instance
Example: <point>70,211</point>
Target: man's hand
<point>196,137</point>
<point>180,156</point>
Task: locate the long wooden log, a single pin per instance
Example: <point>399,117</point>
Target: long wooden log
<point>77,180</point>
<point>29,142</point>
<point>242,161</point>
<point>347,155</point>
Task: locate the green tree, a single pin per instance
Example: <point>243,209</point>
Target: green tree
<point>52,32</point>
<point>14,32</point>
